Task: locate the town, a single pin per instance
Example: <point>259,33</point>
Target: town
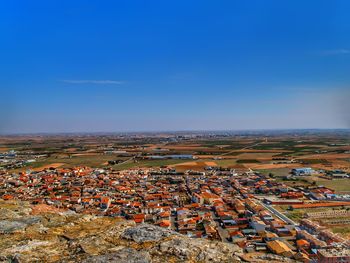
<point>281,194</point>
<point>218,204</point>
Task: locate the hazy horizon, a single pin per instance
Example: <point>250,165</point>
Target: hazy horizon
<point>239,132</point>
<point>113,66</point>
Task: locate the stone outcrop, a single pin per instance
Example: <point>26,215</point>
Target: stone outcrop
<point>126,255</point>
<point>71,237</point>
<point>147,233</point>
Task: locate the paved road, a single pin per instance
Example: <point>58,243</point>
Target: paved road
<point>246,147</point>
<point>278,214</point>
<point>125,161</point>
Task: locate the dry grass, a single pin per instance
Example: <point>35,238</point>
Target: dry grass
<point>198,166</point>
<point>255,155</point>
<point>53,165</point>
<point>4,149</point>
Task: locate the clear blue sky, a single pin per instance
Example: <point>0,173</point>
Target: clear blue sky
<point>72,66</point>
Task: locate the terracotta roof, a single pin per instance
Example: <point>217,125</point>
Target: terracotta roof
<point>164,223</point>
<point>278,246</point>
<point>302,243</point>
<point>139,216</point>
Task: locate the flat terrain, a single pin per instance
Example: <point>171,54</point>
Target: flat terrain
<point>270,153</point>
<point>339,185</point>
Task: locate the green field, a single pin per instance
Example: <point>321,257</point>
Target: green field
<point>342,230</point>
<point>278,172</point>
<point>100,160</point>
<point>87,160</point>
<point>295,215</point>
<point>313,161</point>
<point>339,185</point>
<point>299,214</point>
<point>225,162</point>
<point>146,163</point>
<point>247,161</point>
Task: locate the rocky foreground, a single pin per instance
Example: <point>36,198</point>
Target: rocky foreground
<point>28,234</point>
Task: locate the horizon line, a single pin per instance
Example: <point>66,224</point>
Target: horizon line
<point>173,131</point>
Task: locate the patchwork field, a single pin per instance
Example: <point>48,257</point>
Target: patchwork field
<point>51,165</point>
<point>272,153</point>
<point>145,164</point>
<point>197,165</point>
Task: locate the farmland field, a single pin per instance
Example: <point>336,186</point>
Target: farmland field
<point>339,185</point>
<point>319,151</point>
<point>146,163</point>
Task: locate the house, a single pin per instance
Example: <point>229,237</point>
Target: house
<point>205,197</point>
<point>174,156</point>
<point>340,175</point>
<point>280,248</point>
<point>302,257</point>
<point>210,231</point>
<point>139,218</point>
<point>334,255</point>
<point>228,222</point>
<point>310,226</point>
<point>313,240</point>
<point>105,202</point>
<point>164,223</point>
<point>239,206</point>
<point>303,244</point>
<point>258,225</point>
<point>302,171</point>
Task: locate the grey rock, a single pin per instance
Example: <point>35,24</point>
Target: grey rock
<point>15,225</point>
<point>125,255</point>
<point>8,214</point>
<point>179,248</point>
<point>272,257</point>
<point>146,233</point>
<point>30,220</point>
<point>7,226</point>
<point>83,238</point>
<point>199,250</point>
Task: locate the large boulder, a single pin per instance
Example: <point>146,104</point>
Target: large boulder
<point>147,233</point>
<point>124,255</point>
<point>198,250</point>
<point>7,227</point>
<point>17,225</point>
